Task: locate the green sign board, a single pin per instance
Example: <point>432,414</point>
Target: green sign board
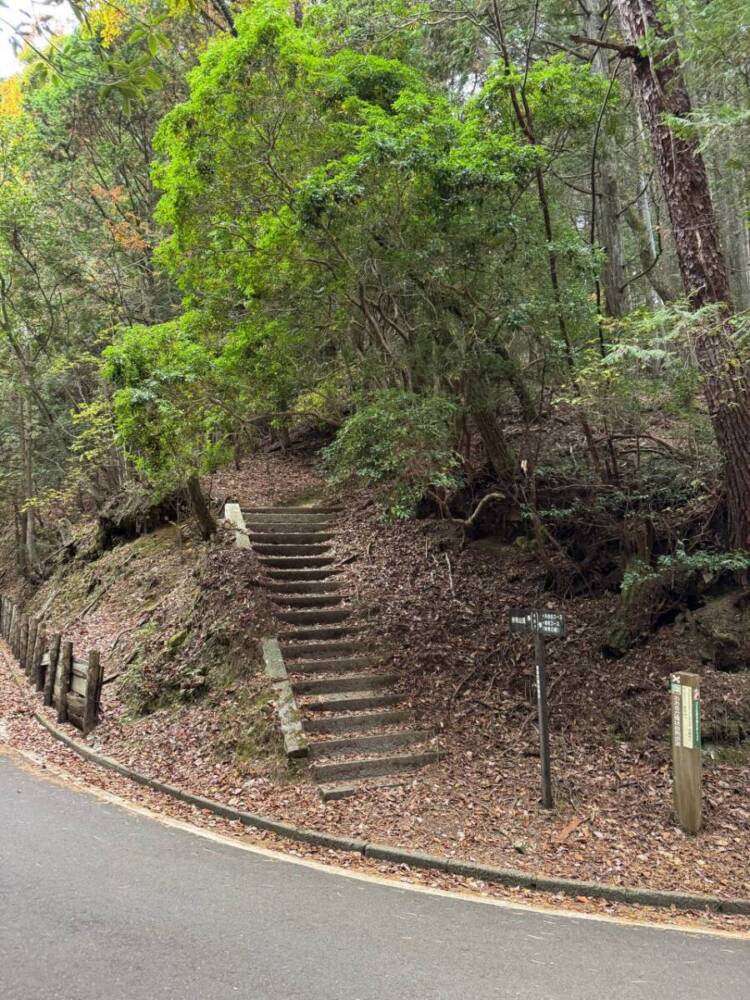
<point>686,715</point>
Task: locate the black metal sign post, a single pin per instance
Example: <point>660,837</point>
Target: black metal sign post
<point>544,625</point>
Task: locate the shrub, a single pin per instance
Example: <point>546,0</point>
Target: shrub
<point>401,443</point>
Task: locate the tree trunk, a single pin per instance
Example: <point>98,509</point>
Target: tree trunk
<point>732,218</point>
<point>27,517</point>
<point>647,256</point>
<point>605,214</point>
<point>495,444</point>
<point>200,509</point>
<point>661,87</point>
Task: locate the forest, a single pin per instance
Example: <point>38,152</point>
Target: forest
<point>468,249</point>
<point>473,276</point>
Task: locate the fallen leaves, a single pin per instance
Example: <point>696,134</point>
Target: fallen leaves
<point>568,829</point>
<point>464,678</point>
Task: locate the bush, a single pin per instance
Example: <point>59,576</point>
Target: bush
<point>401,443</point>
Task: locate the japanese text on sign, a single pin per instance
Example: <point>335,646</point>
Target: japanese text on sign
<point>550,624</point>
<point>686,715</point>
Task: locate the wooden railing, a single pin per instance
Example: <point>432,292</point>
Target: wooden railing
<point>72,685</point>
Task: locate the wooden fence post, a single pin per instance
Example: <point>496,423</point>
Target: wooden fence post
<point>37,664</point>
<point>51,675</point>
<point>28,663</point>
<point>23,642</point>
<point>687,754</point>
<point>62,685</point>
<point>93,689</point>
<point>19,631</point>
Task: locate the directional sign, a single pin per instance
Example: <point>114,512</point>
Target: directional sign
<point>549,624</point>
<point>543,625</point>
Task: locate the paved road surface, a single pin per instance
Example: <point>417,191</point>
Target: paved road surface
<point>99,903</point>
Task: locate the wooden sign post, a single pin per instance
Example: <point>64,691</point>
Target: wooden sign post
<point>686,750</point>
<point>543,625</point>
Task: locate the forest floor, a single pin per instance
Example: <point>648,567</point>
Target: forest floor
<point>187,618</point>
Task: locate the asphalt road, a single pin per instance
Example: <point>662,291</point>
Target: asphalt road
<point>100,903</point>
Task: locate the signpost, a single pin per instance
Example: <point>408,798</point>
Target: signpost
<point>686,750</point>
<point>543,625</point>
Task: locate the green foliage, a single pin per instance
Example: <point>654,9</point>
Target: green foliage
<point>400,443</point>
<point>681,563</point>
<point>339,219</point>
<point>375,220</point>
<point>170,422</point>
<point>559,94</point>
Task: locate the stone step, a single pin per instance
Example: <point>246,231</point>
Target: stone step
<point>320,633</point>
<point>296,562</point>
<point>345,665</point>
<point>332,685</point>
<point>291,550</point>
<point>292,511</point>
<point>290,527</point>
<point>306,600</point>
<point>320,616</point>
<point>372,743</point>
<point>360,701</point>
<point>372,767</point>
<point>296,588</point>
<point>300,574</point>
<point>330,793</point>
<point>323,650</point>
<point>362,723</point>
<point>290,537</point>
<point>344,789</point>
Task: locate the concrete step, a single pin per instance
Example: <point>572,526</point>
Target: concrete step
<point>323,650</point>
<point>332,685</point>
<point>292,550</point>
<point>344,665</point>
<point>314,507</point>
<point>360,701</point>
<point>363,723</point>
<point>296,562</point>
<point>330,793</point>
<point>320,633</point>
<point>289,527</point>
<point>296,588</point>
<point>372,743</point>
<point>322,509</point>
<point>290,537</point>
<point>306,600</point>
<point>301,574</point>
<point>344,789</point>
<point>319,616</point>
<point>372,767</point>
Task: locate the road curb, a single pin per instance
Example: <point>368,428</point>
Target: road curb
<point>414,859</point>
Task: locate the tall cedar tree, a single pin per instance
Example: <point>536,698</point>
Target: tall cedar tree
<point>661,87</point>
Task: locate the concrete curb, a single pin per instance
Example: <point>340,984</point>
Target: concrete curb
<point>415,859</point>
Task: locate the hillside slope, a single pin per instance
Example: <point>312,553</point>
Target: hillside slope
<point>178,624</point>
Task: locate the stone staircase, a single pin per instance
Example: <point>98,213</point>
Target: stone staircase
<point>340,706</point>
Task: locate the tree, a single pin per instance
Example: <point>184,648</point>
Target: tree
<point>341,219</point>
<point>660,84</point>
<point>171,414</point>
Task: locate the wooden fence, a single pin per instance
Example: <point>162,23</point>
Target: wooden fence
<point>73,686</point>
